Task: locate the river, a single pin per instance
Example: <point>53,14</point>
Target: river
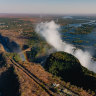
<point>84,41</point>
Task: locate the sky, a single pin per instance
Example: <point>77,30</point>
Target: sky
<point>48,6</point>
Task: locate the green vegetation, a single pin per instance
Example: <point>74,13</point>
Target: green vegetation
<point>94,45</point>
<point>69,69</point>
<point>26,31</point>
<point>77,41</point>
<point>14,56</point>
<point>63,64</point>
<point>60,64</point>
<point>11,23</point>
<point>2,60</point>
<point>37,53</point>
<point>67,21</point>
<point>39,47</point>
<point>66,29</point>
<point>84,29</point>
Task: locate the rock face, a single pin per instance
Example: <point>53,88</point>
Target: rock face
<point>8,45</point>
<point>2,48</point>
<point>63,64</point>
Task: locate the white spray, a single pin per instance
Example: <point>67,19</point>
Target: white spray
<point>49,30</point>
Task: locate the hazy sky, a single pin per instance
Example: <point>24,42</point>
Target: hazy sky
<point>48,6</point>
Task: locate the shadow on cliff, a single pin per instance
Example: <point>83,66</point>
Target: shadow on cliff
<point>9,46</point>
<point>9,85</point>
<point>2,60</point>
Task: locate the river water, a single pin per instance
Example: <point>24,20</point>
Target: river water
<point>88,41</point>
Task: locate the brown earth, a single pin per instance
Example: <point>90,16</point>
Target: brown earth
<point>27,86</point>
<point>14,36</point>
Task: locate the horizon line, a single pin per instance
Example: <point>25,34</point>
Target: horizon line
<point>72,14</point>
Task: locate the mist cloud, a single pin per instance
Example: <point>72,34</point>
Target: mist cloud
<point>50,31</point>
